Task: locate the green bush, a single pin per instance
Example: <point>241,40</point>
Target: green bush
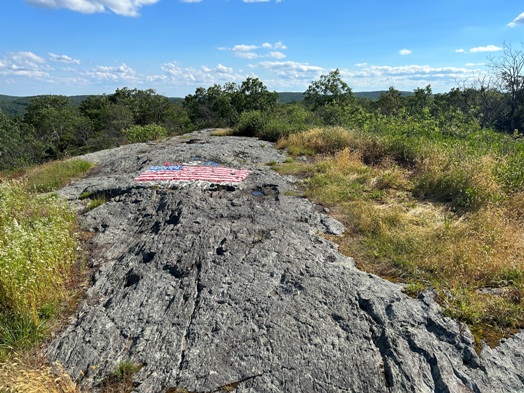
<point>145,133</point>
<point>251,123</point>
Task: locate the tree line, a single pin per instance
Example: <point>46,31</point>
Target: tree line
<point>53,127</point>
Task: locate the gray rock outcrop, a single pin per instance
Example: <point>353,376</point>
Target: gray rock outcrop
<point>233,288</point>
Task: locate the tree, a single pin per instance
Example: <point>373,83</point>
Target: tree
<point>390,102</point>
<point>17,144</point>
<point>57,124</point>
<point>253,95</point>
<point>421,101</point>
<point>222,106</point>
<point>212,107</point>
<point>329,89</point>
<point>509,68</point>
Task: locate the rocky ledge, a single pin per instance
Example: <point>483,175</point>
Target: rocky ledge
<point>232,287</point>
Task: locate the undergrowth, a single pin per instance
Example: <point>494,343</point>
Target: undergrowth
<point>427,209</point>
<point>40,271</point>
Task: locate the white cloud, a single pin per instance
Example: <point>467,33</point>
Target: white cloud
<point>246,55</point>
<point>371,77</point>
<point>178,75</point>
<point>474,64</point>
<point>404,52</point>
<point>460,50</point>
<point>63,59</point>
<point>251,52</point>
<point>119,7</point>
<point>277,55</point>
<point>489,48</point>
<point>519,20</point>
<point>24,64</point>
<point>121,73</point>
<point>244,48</point>
<point>291,69</point>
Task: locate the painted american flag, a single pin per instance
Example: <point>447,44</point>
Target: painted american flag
<point>212,173</point>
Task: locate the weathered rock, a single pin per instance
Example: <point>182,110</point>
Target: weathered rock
<point>214,287</point>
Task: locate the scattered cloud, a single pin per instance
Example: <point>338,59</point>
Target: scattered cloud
<point>474,64</point>
<point>480,49</point>
<point>489,48</point>
<point>251,52</point>
<point>122,73</point>
<point>25,64</point>
<point>291,69</point>
<point>404,52</point>
<point>519,20</point>
<point>370,77</point>
<point>119,7</point>
<point>178,75</point>
<point>63,59</point>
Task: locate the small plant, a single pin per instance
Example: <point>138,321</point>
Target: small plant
<point>95,203</point>
<point>85,195</point>
<point>121,379</point>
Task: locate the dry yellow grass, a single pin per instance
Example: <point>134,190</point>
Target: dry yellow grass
<point>16,376</point>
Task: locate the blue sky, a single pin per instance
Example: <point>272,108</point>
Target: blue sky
<point>75,47</point>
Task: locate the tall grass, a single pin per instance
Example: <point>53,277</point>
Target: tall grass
<point>37,255</point>
<point>55,174</point>
<point>39,269</point>
<point>429,208</point>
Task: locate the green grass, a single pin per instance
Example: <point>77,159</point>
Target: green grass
<point>38,245</point>
<point>55,175</point>
<point>120,380</point>
<point>427,207</point>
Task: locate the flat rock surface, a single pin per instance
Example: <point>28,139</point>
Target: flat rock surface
<point>232,287</point>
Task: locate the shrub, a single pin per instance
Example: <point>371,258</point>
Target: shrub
<point>145,133</point>
<point>251,123</point>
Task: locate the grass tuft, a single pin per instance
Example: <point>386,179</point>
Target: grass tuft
<point>121,379</point>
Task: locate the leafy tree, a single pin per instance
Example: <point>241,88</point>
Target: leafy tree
<point>390,102</point>
<point>211,107</point>
<point>18,146</point>
<point>421,101</point>
<point>56,123</point>
<point>222,106</point>
<point>328,90</point>
<point>146,106</point>
<point>253,95</point>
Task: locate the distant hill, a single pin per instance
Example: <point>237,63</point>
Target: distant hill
<point>16,106</point>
